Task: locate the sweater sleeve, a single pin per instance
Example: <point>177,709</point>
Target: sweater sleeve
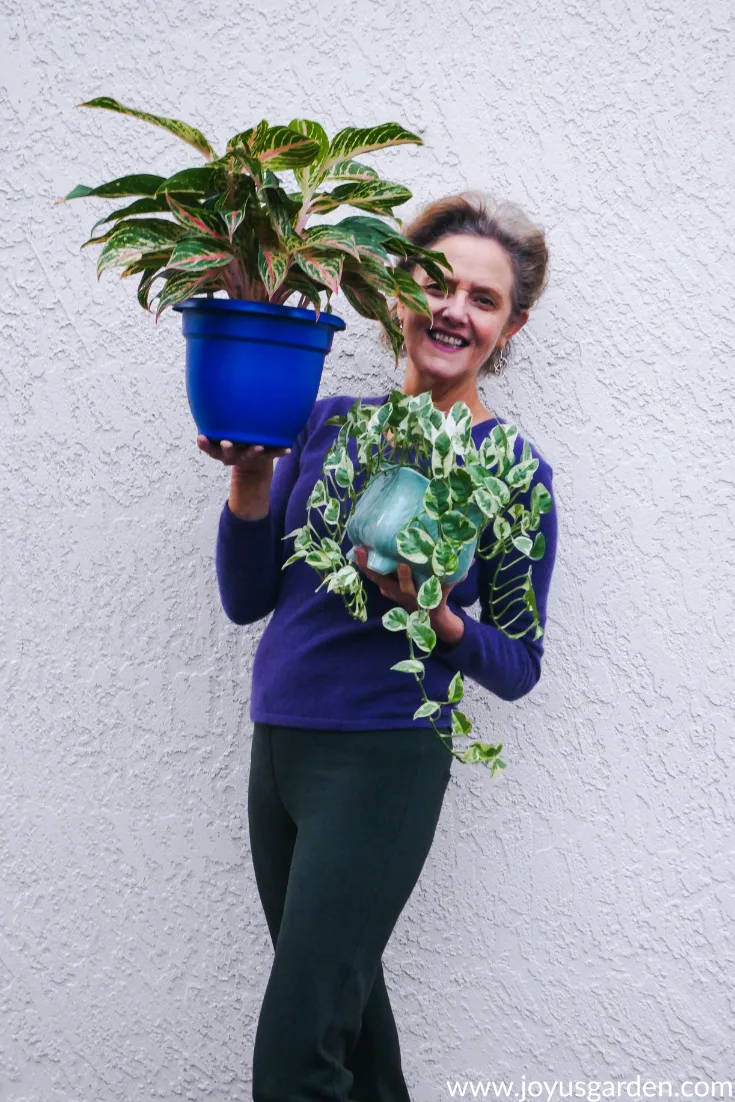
<point>250,553</point>
<point>509,668</point>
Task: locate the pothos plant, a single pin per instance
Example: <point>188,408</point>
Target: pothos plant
<point>462,477</point>
<point>234,226</point>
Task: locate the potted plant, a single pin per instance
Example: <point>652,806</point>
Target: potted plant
<point>254,364</point>
<point>425,496</point>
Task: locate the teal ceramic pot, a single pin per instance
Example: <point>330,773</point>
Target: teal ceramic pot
<point>391,499</point>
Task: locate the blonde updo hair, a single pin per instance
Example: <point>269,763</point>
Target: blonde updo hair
<point>477,212</point>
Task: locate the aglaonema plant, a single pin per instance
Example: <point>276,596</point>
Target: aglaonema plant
<point>234,226</point>
<point>462,479</point>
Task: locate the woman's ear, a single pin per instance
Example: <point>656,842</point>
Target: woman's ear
<point>517,324</point>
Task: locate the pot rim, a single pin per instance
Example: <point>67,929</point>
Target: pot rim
<point>250,306</point>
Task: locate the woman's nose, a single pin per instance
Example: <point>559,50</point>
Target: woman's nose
<point>455,306</point>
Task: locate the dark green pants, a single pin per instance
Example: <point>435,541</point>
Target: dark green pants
<point>341,823</point>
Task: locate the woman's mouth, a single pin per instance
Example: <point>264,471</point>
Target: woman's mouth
<point>450,345</point>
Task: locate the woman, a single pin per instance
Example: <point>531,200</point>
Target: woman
<point>344,792</point>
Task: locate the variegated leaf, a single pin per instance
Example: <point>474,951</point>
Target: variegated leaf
<point>179,287</point>
<point>272,266</point>
<point>147,262</point>
<point>147,280</point>
<point>298,283</point>
<point>182,130</point>
<point>204,221</point>
<point>351,170</point>
<point>232,219</point>
<point>324,268</point>
<point>140,184</point>
<point>373,272</point>
<point>374,194</point>
<point>352,141</point>
<point>200,181</point>
<point>131,239</point>
<point>410,294</point>
<point>333,237</point>
<point>364,299</point>
<point>305,177</point>
<point>140,206</point>
<point>197,254</point>
<point>283,148</point>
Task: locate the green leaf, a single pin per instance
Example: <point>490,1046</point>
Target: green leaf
<point>412,546</point>
<point>373,272</point>
<point>141,184</point>
<point>197,254</point>
<point>306,177</point>
<point>444,560</point>
<point>351,170</point>
<point>409,665</point>
<point>203,221</point>
<point>181,130</point>
<point>541,498</point>
<point>333,237</point>
<point>423,635</point>
<point>281,148</point>
<point>429,707</point>
<point>326,268</point>
<point>460,723</point>
<point>363,298</point>
<point>140,206</point>
<point>437,499</point>
<point>456,689</point>
<point>199,181</point>
<point>179,287</point>
<point>345,473</point>
<point>396,619</point>
<point>410,293</point>
<point>456,526</point>
<point>272,260</point>
<point>367,196</point>
<point>319,560</point>
<point>539,547</point>
<point>430,593</point>
<point>353,142</point>
<point>130,240</point>
<point>331,513</point>
<point>297,282</point>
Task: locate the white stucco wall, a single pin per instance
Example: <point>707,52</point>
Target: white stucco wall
<point>575,916</point>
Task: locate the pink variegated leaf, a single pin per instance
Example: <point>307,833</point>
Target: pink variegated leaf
<point>197,254</point>
<point>204,221</point>
<point>325,268</point>
<point>179,287</point>
<point>272,266</point>
<point>281,147</point>
<point>181,129</point>
<point>332,237</point>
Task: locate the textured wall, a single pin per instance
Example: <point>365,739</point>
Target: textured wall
<point>575,915</point>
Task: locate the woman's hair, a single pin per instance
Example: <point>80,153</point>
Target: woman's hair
<point>478,213</point>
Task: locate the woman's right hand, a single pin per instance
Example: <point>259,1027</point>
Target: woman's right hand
<point>254,460</point>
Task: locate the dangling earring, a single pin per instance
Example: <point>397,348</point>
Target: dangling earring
<point>501,361</point>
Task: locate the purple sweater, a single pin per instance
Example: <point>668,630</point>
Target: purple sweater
<point>316,666</point>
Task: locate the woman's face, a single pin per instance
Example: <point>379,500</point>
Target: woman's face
<point>476,310</point>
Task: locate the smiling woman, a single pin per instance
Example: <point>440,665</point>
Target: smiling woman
<point>344,792</point>
<point>499,259</point>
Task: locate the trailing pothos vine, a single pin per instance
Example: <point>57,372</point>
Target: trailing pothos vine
<point>462,477</point>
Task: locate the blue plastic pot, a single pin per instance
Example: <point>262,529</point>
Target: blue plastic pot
<point>391,499</point>
<point>252,368</point>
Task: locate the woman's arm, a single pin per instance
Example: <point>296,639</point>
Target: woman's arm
<point>250,552</point>
<point>509,668</point>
